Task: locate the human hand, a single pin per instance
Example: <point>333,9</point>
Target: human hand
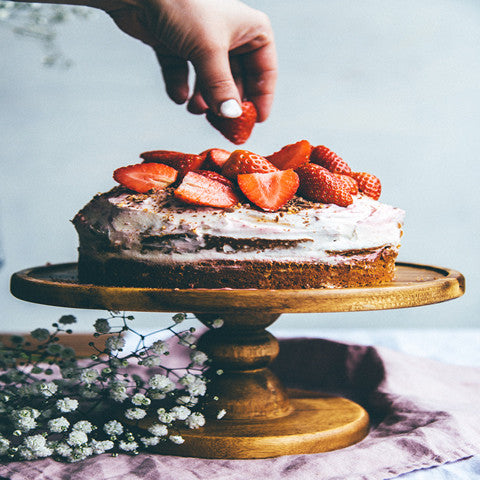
<point>229,44</point>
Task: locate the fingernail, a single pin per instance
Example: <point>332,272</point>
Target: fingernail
<point>230,109</point>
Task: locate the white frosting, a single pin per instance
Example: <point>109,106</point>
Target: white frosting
<point>323,229</point>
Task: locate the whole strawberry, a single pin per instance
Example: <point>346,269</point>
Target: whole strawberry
<point>237,130</point>
<point>325,157</point>
<point>368,184</point>
<point>320,185</point>
<point>243,161</point>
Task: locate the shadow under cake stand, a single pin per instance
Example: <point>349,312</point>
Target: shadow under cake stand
<point>263,418</point>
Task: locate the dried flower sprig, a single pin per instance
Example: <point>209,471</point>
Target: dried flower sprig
<point>41,22</point>
<point>54,404</point>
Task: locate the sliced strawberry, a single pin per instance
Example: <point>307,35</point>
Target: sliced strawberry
<point>291,156</point>
<point>144,177</point>
<point>197,189</point>
<point>351,183</point>
<point>183,162</point>
<point>243,161</point>
<point>323,156</point>
<point>320,185</point>
<point>269,191</point>
<point>220,178</point>
<point>237,130</point>
<point>368,184</point>
<point>214,159</point>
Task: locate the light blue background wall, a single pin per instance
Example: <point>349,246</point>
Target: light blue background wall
<point>391,86</point>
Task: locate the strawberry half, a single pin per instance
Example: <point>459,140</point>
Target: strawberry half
<point>144,177</point>
<point>183,162</point>
<point>291,156</point>
<point>237,130</point>
<point>197,189</point>
<point>350,183</point>
<point>215,158</point>
<point>269,191</point>
<point>243,161</point>
<point>220,178</point>
<point>368,184</point>
<point>320,185</point>
<point>324,157</point>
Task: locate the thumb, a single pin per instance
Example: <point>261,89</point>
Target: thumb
<point>217,85</point>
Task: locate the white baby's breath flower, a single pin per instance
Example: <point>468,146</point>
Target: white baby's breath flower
<point>89,375</point>
<point>151,361</point>
<point>67,319</point>
<point>187,339</point>
<point>77,437</point>
<point>113,428</point>
<point>221,413</point>
<point>159,347</point>
<point>102,325</point>
<point>26,453</point>
<point>38,445</point>
<point>196,386</point>
<point>4,445</point>
<point>150,441</point>
<point>89,391</point>
<point>63,449</point>
<point>48,389</point>
<point>57,425</point>
<point>158,429</point>
<point>195,420</point>
<point>102,446</point>
<point>83,426</point>
<point>198,358</point>
<point>128,446</point>
<point>140,399</point>
<point>180,412</point>
<point>24,419</point>
<point>178,439</point>
<point>118,391</point>
<point>115,343</point>
<point>187,400</point>
<point>164,416</point>
<point>161,382</point>
<point>67,404</point>
<point>135,413</point>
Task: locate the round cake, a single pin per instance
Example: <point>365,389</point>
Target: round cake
<point>299,218</point>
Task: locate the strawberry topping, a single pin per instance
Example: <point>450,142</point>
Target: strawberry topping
<point>351,183</point>
<point>216,176</point>
<point>144,177</point>
<point>197,189</point>
<point>214,159</point>
<point>320,185</point>
<point>368,184</point>
<point>269,191</point>
<point>237,130</point>
<point>291,156</point>
<point>183,162</point>
<point>325,157</point>
<point>243,161</point>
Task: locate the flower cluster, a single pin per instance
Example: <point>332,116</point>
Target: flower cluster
<point>54,404</point>
<point>40,22</point>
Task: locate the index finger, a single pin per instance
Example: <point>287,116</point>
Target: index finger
<point>260,73</point>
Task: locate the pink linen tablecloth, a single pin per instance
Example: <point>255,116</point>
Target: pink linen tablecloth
<point>424,413</point>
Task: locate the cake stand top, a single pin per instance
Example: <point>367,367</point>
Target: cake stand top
<point>414,285</point>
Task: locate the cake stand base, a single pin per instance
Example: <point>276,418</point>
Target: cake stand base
<point>316,424</point>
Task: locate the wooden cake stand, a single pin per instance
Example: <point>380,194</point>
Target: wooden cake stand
<point>263,419</point>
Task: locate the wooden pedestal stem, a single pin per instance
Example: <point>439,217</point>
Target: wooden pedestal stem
<point>242,351</point>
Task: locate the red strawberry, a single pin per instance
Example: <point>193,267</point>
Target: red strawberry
<point>319,185</point>
<point>368,184</point>
<point>214,158</point>
<point>219,178</point>
<point>183,162</point>
<point>291,156</point>
<point>269,191</point>
<point>144,177</point>
<point>350,183</point>
<point>196,189</point>
<point>323,156</point>
<point>243,161</point>
<point>237,130</point>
